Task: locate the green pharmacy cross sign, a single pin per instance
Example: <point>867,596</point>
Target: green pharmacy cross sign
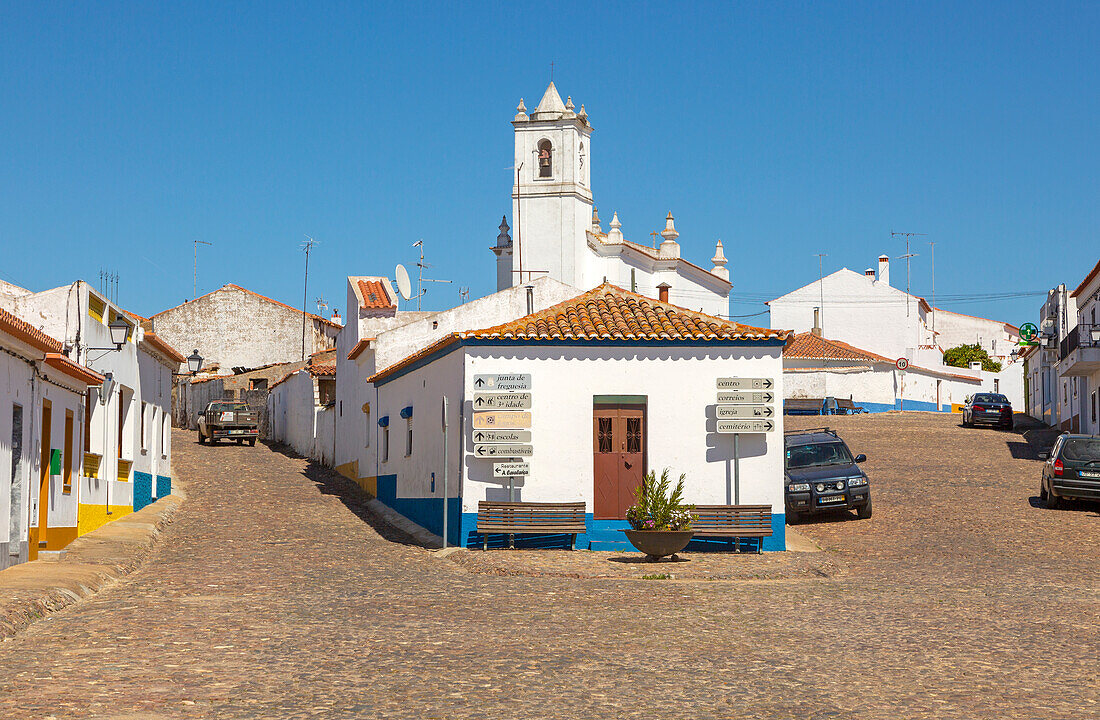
<point>1028,334</point>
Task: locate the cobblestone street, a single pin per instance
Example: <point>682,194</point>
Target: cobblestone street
<point>274,595</point>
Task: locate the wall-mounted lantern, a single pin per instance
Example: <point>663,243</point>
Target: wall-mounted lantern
<point>194,361</point>
<point>120,331</point>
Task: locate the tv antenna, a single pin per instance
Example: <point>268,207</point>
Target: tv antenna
<point>307,246</point>
<point>321,305</point>
<point>906,257</point>
<point>195,289</point>
<point>464,294</point>
<point>420,279</point>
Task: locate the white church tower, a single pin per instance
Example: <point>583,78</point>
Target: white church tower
<point>551,194</point>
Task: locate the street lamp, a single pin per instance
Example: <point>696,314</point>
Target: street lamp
<point>1095,333</point>
<point>194,361</point>
<point>120,330</point>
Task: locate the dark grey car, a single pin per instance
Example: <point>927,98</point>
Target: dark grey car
<point>822,475</point>
<point>1072,470</point>
<point>988,409</point>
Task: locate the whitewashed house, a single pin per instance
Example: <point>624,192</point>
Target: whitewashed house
<point>43,400</point>
<point>621,384</point>
<point>557,232</point>
<point>1078,364</point>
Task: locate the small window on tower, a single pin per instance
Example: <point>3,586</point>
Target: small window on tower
<point>546,160</point>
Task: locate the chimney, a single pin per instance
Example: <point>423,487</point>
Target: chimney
<point>662,292</point>
<point>817,322</point>
<point>336,316</point>
<point>869,273</point>
<point>530,298</point>
<point>884,269</point>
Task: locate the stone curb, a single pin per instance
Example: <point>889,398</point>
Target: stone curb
<point>32,590</point>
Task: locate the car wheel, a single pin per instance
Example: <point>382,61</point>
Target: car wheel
<point>864,511</point>
<point>1042,490</point>
<point>202,438</point>
<point>252,442</point>
<point>1008,425</point>
<point>1053,501</point>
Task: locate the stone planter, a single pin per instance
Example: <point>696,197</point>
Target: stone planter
<point>657,544</point>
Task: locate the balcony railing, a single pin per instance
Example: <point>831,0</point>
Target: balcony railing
<point>1080,336</point>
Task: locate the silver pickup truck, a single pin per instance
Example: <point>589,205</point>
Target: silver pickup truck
<point>230,420</point>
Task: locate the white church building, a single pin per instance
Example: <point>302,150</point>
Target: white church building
<point>558,233</point>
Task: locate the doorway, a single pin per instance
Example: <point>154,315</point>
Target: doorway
<point>39,540</point>
<point>619,454</point>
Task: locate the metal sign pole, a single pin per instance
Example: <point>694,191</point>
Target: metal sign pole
<point>736,470</point>
<point>446,463</point>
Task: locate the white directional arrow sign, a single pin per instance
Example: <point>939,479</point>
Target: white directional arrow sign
<point>745,426</point>
<point>491,451</point>
<point>502,419</point>
<point>726,412</point>
<point>502,401</point>
<point>745,398</point>
<point>511,469</point>
<point>502,436</point>
<point>503,382</point>
<point>745,383</point>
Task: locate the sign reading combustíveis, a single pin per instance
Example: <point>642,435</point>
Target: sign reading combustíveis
<point>503,450</point>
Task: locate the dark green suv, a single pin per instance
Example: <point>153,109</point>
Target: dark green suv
<point>822,475</point>
<point>1072,470</point>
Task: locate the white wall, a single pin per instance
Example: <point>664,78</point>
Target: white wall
<point>15,388</point>
<point>954,329</point>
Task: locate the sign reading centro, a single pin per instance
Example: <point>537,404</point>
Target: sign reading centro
<point>512,419</point>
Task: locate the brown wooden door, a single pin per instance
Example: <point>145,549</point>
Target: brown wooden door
<point>619,458</point>
<point>40,539</point>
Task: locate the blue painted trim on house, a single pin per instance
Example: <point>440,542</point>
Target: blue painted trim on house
<point>164,486</point>
<point>909,405</point>
<point>143,490</point>
<point>450,347</point>
<point>425,512</point>
<point>607,535</point>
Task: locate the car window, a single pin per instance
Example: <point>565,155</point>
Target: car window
<point>818,454</point>
<point>990,398</point>
<point>1081,449</point>
<point>229,407</point>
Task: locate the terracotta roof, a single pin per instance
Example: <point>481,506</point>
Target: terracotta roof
<point>811,347</point>
<point>360,346</point>
<point>611,313</point>
<point>231,286</point>
<point>164,348</point>
<point>25,332</point>
<point>322,370</point>
<point>374,295</point>
<point>605,313</point>
<point>73,369</point>
<point>1088,278</point>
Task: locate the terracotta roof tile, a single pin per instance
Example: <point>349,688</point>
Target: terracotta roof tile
<point>808,346</point>
<point>73,369</point>
<point>605,313</point>
<point>1088,279</point>
<point>24,331</point>
<point>164,348</point>
<point>322,370</point>
<point>611,313</point>
<point>374,295</point>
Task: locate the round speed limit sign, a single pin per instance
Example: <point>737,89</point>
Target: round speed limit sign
<point>902,364</point>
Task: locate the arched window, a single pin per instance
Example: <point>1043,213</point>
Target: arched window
<point>546,159</point>
<point>581,162</point>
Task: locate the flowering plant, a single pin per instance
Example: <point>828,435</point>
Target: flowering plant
<point>655,508</point>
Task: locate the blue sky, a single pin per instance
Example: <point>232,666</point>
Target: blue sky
<point>785,129</point>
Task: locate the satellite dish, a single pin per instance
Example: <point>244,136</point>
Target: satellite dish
<point>403,285</point>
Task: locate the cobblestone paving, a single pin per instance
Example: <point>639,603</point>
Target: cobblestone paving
<point>272,596</point>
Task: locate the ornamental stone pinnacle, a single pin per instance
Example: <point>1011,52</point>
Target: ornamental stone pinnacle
<point>669,246</point>
<point>521,112</point>
<point>720,261</point>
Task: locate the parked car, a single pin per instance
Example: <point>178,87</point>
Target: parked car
<point>228,419</point>
<point>988,408</point>
<point>1072,470</point>
<point>822,475</point>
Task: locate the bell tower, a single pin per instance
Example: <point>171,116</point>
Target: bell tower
<point>551,194</point>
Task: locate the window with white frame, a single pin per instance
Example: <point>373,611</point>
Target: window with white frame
<point>408,437</point>
<point>386,444</point>
<point>366,414</point>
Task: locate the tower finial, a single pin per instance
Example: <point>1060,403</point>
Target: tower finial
<point>521,111</point>
<point>720,261</point>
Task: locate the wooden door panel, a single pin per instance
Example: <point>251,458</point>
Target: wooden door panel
<point>619,458</point>
<point>605,464</point>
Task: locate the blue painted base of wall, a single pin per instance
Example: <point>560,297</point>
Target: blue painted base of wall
<point>607,535</point>
<point>143,490</point>
<point>599,534</point>
<point>164,486</point>
<point>909,405</point>
<point>425,512</point>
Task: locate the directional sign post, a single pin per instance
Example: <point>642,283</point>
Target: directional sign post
<point>725,427</point>
<point>503,382</point>
<point>511,469</point>
<point>726,412</point>
<point>745,383</point>
<point>502,436</point>
<point>491,451</point>
<point>745,398</point>
<point>501,419</point>
<point>502,401</point>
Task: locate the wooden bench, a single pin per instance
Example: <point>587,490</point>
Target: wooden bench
<point>848,407</point>
<point>734,521</point>
<point>529,518</point>
<point>803,406</point>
